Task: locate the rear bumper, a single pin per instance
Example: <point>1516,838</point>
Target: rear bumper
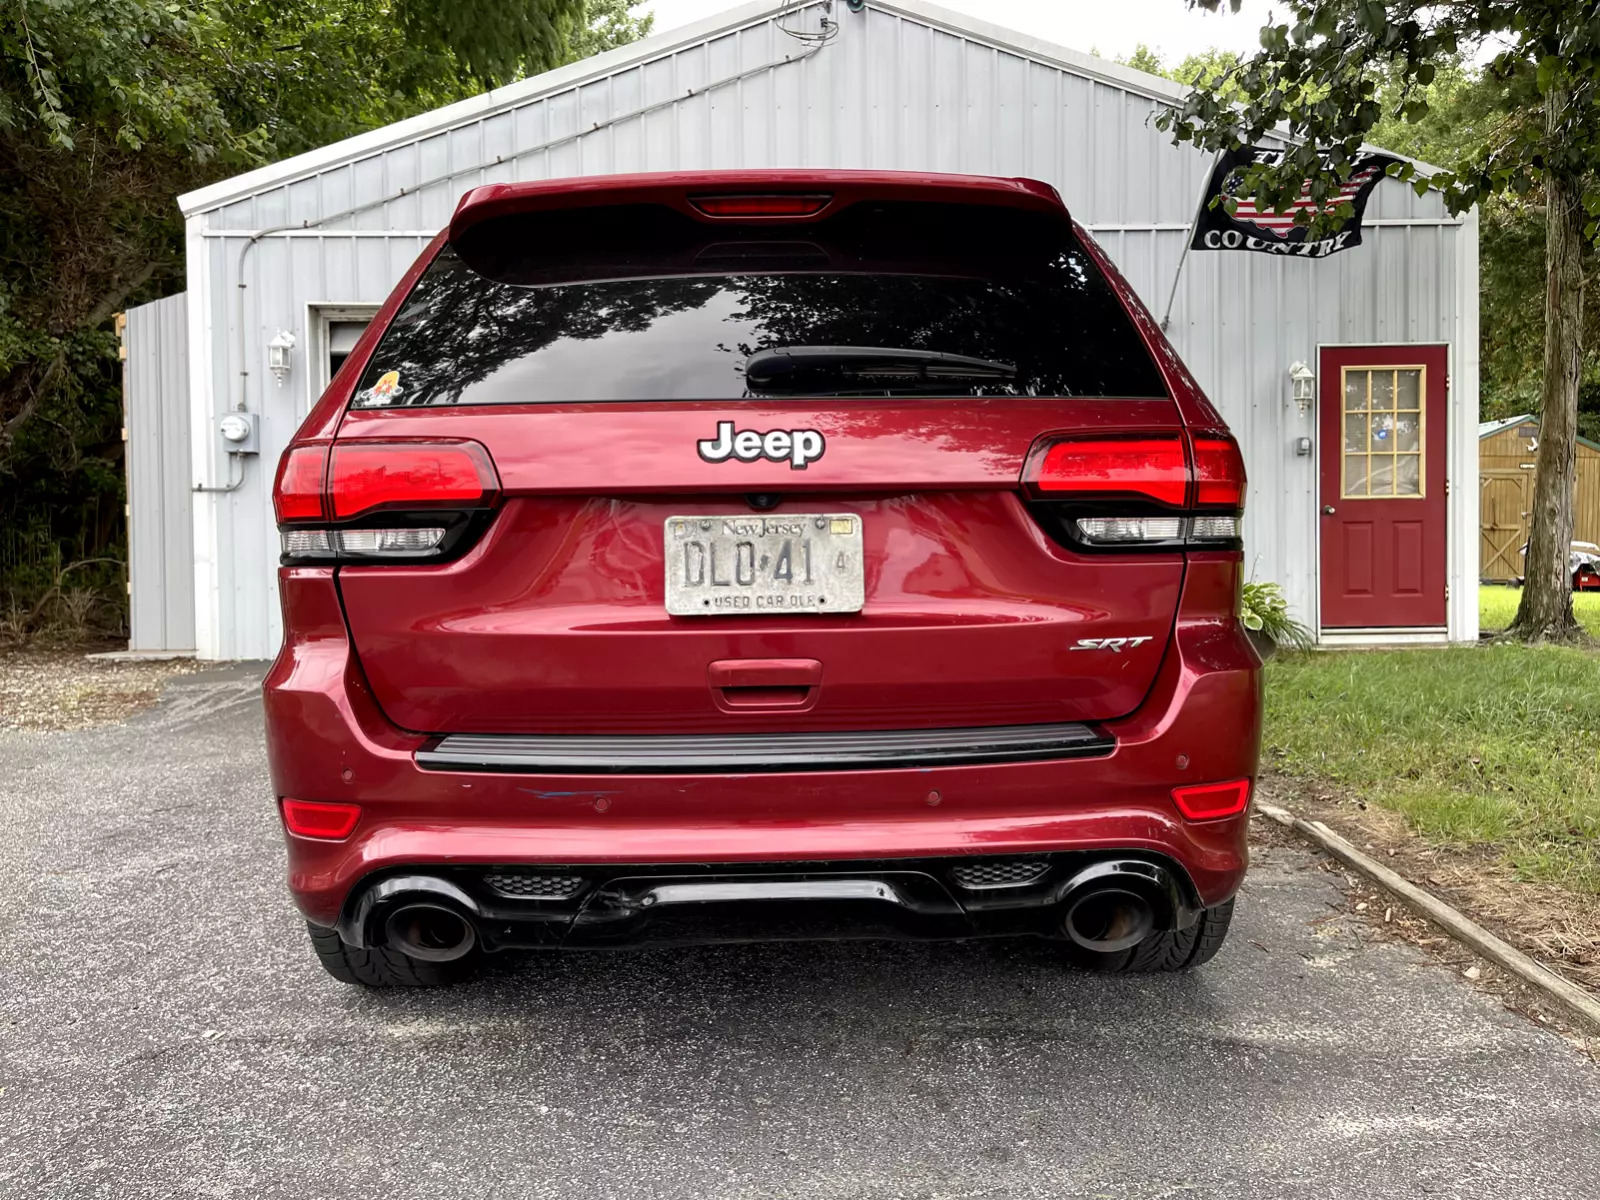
<point>328,740</point>
<point>589,906</point>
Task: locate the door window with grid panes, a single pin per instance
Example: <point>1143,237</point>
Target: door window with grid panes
<point>1383,432</point>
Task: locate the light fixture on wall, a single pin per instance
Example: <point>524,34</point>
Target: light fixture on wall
<point>1304,380</point>
<point>279,350</point>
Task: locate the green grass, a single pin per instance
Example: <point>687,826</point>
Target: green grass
<point>1494,744</point>
<point>1497,604</point>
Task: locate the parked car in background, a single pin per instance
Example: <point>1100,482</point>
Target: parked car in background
<point>1583,560</point>
<point>725,556</point>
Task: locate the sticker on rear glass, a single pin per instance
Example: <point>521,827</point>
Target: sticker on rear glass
<point>386,391</point>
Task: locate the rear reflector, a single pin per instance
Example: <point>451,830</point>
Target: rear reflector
<point>390,543</point>
<point>761,206</point>
<point>1149,466</point>
<point>319,819</point>
<point>1214,529</point>
<point>1207,801</point>
<point>1218,473</point>
<point>418,542</point>
<point>410,475</point>
<point>297,494</point>
<point>1131,529</point>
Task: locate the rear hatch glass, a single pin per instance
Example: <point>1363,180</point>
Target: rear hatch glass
<point>645,303</point>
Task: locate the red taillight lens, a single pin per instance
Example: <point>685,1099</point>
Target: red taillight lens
<point>297,493</point>
<point>1151,466</point>
<point>410,475</point>
<point>1208,801</point>
<point>761,206</point>
<point>320,819</point>
<point>1218,473</point>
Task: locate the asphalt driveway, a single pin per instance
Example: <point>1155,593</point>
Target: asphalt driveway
<point>164,1031</point>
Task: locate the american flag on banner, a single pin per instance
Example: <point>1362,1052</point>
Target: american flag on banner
<point>1252,228</point>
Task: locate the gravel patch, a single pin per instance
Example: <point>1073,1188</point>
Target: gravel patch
<point>60,689</point>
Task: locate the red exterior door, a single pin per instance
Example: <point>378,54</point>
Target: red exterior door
<point>1383,513</point>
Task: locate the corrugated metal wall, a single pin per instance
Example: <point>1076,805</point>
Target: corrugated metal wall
<point>155,398</point>
<point>902,86</point>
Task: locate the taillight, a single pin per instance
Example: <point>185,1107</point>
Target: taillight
<point>297,494</point>
<point>775,205</point>
<point>320,818</point>
<point>1150,490</point>
<point>1148,467</point>
<point>410,475</point>
<point>1218,473</point>
<point>383,501</point>
<point>1209,801</point>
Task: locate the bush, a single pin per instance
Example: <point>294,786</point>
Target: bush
<point>1264,610</point>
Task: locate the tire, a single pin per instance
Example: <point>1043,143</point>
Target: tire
<point>377,967</point>
<point>1177,950</point>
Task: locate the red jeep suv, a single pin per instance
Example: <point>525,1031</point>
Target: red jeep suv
<point>756,555</point>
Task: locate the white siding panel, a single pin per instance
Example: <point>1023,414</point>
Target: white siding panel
<point>236,216</point>
<point>1011,114</point>
<point>339,280</point>
<point>305,202</point>
<point>434,161</point>
<point>947,103</point>
<point>160,514</point>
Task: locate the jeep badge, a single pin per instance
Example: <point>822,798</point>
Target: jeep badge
<point>800,446</point>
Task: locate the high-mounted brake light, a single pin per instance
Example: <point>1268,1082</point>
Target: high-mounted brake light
<point>1146,466</point>
<point>410,475</point>
<point>320,819</point>
<point>1208,801</point>
<point>777,205</point>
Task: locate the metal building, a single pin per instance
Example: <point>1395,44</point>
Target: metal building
<point>286,263</point>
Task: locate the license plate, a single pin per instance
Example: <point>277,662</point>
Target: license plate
<point>764,565</point>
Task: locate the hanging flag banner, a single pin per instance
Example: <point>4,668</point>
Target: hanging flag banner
<point>1251,228</point>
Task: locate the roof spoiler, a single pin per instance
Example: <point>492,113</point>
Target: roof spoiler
<point>839,189</point>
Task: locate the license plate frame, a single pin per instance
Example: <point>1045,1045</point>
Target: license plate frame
<point>763,564</point>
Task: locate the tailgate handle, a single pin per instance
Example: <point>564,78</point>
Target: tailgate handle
<point>765,682</point>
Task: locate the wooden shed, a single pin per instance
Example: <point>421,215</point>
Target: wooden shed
<point>1506,452</point>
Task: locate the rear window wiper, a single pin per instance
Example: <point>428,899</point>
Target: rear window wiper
<point>802,368</point>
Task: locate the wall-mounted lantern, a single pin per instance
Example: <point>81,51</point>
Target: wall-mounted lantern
<point>1304,380</point>
<point>279,351</point>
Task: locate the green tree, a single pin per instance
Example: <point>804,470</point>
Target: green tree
<point>606,25</point>
<point>1465,106</point>
<point>1209,68</point>
<point>1337,68</point>
<point>1144,59</point>
<point>109,109</point>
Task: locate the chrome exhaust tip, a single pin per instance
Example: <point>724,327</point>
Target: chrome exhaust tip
<point>430,932</point>
<point>1108,919</point>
